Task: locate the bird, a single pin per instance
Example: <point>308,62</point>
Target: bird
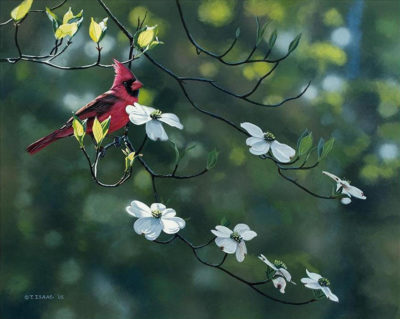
<point>124,91</point>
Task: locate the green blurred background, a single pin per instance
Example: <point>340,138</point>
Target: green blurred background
<point>62,234</point>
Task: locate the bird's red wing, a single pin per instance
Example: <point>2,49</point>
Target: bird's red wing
<point>98,106</point>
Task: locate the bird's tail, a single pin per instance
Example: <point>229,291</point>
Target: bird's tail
<point>47,140</point>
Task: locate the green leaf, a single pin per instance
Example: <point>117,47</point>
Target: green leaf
<point>177,157</point>
<point>293,45</point>
<point>180,155</point>
<point>212,159</point>
<point>305,144</point>
<point>305,133</point>
<point>53,18</point>
<point>320,147</point>
<point>261,32</point>
<point>272,39</point>
<point>327,148</point>
<point>270,273</point>
<point>224,221</point>
<point>19,12</point>
<point>237,32</point>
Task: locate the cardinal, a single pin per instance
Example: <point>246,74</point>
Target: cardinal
<point>124,91</point>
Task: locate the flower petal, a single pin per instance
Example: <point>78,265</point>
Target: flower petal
<point>282,152</point>
<point>345,200</point>
<point>129,109</point>
<point>146,109</point>
<point>252,129</point>
<point>157,206</point>
<point>334,177</point>
<point>280,284</point>
<point>266,261</point>
<point>171,120</point>
<point>307,280</point>
<point>248,235</point>
<point>313,275</point>
<point>138,114</point>
<point>222,231</point>
<point>313,285</point>
<point>253,140</point>
<point>228,245</point>
<point>355,192</point>
<point>285,274</point>
<point>241,251</point>
<point>172,225</point>
<point>149,226</point>
<point>138,209</point>
<point>155,233</point>
<point>260,148</point>
<point>169,212</point>
<point>328,293</point>
<point>155,131</point>
<point>239,228</point>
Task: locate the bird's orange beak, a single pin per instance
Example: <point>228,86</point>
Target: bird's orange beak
<point>136,85</point>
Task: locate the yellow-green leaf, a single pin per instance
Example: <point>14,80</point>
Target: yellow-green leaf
<point>79,130</point>
<point>95,31</point>
<point>68,16</point>
<point>129,160</point>
<point>19,12</point>
<point>146,37</point>
<point>64,30</point>
<point>97,131</point>
<point>105,125</point>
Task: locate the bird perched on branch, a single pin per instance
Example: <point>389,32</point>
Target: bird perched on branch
<point>124,91</point>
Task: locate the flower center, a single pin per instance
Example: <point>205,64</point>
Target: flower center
<point>155,114</point>
<point>280,264</point>
<point>236,237</point>
<point>156,213</point>
<point>324,282</point>
<point>268,136</point>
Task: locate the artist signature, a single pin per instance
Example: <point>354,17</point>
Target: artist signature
<point>44,297</point>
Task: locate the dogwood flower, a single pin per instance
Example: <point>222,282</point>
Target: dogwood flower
<point>153,118</point>
<point>232,242</point>
<point>346,189</point>
<point>154,219</point>
<point>280,274</point>
<point>278,266</point>
<point>317,282</point>
<point>262,142</point>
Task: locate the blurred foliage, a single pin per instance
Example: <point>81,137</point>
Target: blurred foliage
<point>62,234</point>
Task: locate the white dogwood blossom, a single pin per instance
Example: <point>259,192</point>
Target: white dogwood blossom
<point>153,118</point>
<point>281,274</point>
<point>154,219</point>
<point>345,188</point>
<point>317,282</point>
<point>262,142</point>
<point>233,242</point>
<point>278,266</point>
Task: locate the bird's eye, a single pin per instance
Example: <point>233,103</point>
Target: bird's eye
<point>125,82</point>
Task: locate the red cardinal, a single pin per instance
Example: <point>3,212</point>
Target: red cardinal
<point>124,91</point>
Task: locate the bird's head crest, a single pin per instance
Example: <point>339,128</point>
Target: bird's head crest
<point>125,81</point>
<point>122,73</point>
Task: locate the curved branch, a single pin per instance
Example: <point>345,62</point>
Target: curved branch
<point>302,187</point>
<point>52,8</point>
